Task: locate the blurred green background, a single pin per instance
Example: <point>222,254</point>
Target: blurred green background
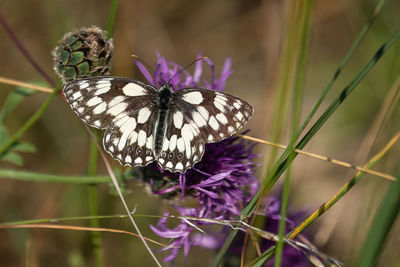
<point>250,33</point>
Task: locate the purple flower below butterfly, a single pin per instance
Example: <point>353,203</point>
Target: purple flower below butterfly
<point>222,182</point>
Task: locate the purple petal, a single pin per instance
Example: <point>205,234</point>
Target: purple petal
<point>145,72</point>
<point>166,233</point>
<point>198,69</point>
<point>215,178</point>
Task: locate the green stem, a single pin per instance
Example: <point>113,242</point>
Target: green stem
<point>111,18</point>
<point>43,177</point>
<point>95,223</point>
<point>35,117</point>
<point>93,207</point>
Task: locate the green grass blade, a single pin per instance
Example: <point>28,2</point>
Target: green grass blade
<point>268,254</point>
<point>280,166</point>
<point>384,218</point>
<point>304,31</point>
<point>329,111</point>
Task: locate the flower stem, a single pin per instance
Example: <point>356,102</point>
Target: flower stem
<point>93,207</point>
<point>24,51</point>
<point>111,18</point>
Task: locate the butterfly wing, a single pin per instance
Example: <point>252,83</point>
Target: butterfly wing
<point>217,115</point>
<point>99,100</point>
<point>122,106</point>
<point>199,116</point>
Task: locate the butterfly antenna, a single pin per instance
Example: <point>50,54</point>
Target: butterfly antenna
<point>185,68</point>
<point>144,62</point>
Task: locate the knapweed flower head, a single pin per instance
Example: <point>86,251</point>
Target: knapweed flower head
<point>222,182</point>
<point>83,53</point>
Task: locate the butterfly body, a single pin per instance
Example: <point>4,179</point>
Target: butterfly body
<point>144,124</point>
<point>160,127</point>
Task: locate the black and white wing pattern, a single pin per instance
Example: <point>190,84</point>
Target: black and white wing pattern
<point>144,124</point>
<point>197,117</point>
<point>122,106</point>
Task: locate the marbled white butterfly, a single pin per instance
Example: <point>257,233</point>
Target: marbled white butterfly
<point>144,124</point>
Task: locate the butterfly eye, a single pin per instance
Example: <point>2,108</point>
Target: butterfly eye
<point>171,155</point>
<point>163,154</point>
<point>139,151</point>
<point>180,155</point>
<point>149,153</point>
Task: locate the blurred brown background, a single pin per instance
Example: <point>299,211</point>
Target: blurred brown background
<point>249,32</point>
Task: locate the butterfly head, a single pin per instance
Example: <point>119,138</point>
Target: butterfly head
<point>165,94</point>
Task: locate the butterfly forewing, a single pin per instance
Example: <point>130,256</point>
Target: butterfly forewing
<point>217,115</point>
<point>99,100</point>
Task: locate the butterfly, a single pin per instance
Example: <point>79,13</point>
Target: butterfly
<point>144,124</point>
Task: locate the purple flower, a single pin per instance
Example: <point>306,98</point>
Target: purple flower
<point>180,233</point>
<point>222,182</point>
<point>172,72</point>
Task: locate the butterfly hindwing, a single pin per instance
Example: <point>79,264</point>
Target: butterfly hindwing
<point>183,145</point>
<point>130,139</point>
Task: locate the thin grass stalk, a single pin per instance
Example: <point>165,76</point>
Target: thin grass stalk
<point>251,206</point>
<point>277,171</point>
<point>24,51</point>
<point>287,69</point>
<point>304,36</point>
<point>327,205</point>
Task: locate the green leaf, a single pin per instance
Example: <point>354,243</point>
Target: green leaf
<point>10,156</point>
<point>13,158</point>
<point>24,147</point>
<point>3,134</point>
<point>12,100</point>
